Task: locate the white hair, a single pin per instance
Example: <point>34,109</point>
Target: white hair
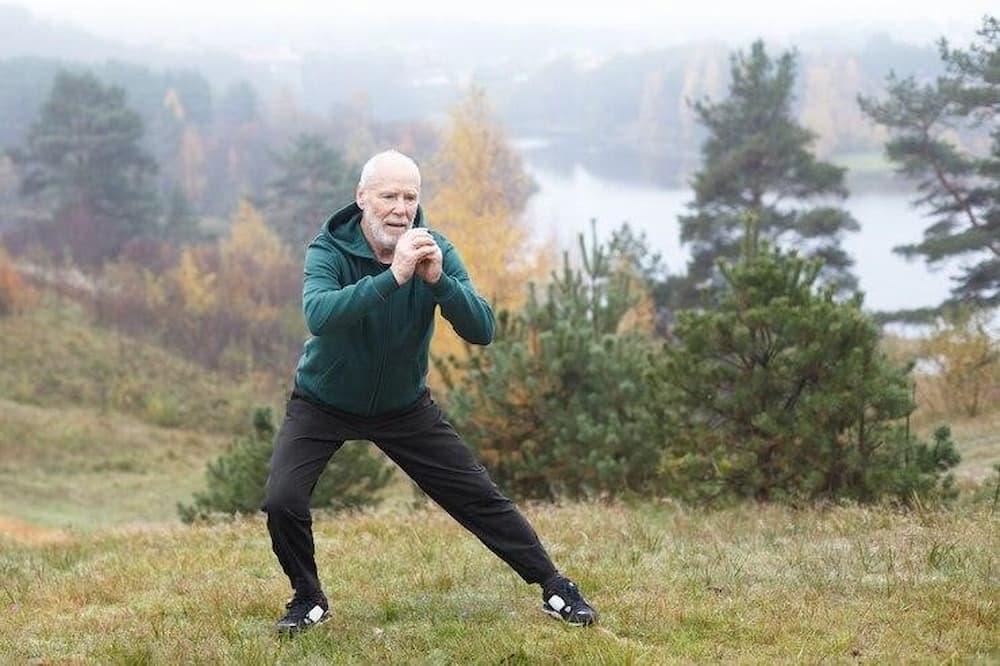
<point>368,170</point>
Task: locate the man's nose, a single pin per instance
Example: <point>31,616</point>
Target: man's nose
<point>399,205</point>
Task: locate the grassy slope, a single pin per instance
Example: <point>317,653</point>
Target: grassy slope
<point>99,429</point>
<point>53,357</point>
<point>753,584</point>
<point>978,441</point>
<point>84,468</point>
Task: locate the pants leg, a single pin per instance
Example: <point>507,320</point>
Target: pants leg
<point>444,467</point>
<point>302,448</point>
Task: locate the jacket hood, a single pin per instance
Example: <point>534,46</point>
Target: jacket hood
<point>343,229</point>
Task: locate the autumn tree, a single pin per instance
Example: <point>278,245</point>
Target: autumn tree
<point>478,190</point>
<point>14,293</point>
<point>313,180</point>
<point>939,140</point>
<point>963,355</point>
<point>256,270</point>
<point>84,163</point>
<point>757,161</point>
<point>235,303</point>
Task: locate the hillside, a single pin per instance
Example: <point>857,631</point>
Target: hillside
<point>98,429</point>
<point>52,356</point>
<point>84,468</point>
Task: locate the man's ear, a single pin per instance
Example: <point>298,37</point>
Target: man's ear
<point>359,198</point>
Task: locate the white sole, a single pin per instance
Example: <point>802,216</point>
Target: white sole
<point>291,631</point>
<point>556,615</point>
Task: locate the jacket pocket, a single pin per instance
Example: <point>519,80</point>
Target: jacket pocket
<point>327,376</point>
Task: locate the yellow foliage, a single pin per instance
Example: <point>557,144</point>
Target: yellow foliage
<point>254,266</point>
<point>640,317</point>
<point>196,286</point>
<point>965,357</point>
<point>478,189</point>
<point>172,102</point>
<point>251,242</point>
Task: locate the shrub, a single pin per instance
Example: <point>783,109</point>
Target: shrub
<point>236,480</point>
<point>559,404</point>
<point>965,358</point>
<point>783,394</point>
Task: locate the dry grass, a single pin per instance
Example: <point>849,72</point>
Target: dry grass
<point>84,468</point>
<point>94,567</point>
<point>977,437</point>
<point>752,585</point>
<point>52,356</point>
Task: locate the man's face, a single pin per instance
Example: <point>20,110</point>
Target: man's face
<point>389,204</point>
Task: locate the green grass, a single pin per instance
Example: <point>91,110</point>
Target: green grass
<point>101,436</point>
<point>81,468</point>
<point>752,584</point>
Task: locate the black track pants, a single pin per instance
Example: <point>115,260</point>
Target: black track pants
<point>426,447</point>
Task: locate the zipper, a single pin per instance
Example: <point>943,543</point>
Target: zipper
<point>381,360</point>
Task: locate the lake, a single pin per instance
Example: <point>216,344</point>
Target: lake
<point>568,199</point>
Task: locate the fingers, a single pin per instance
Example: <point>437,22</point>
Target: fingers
<point>417,237</point>
<point>429,268</point>
<point>425,253</point>
<point>416,246</point>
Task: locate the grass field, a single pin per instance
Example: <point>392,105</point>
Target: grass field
<point>86,468</point>
<point>754,584</point>
<point>95,567</point>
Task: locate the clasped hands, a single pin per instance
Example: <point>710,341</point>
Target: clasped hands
<point>418,254</point>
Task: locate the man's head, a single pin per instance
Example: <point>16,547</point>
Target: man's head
<point>388,193</point>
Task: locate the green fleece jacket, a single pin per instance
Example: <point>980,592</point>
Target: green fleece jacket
<point>370,336</point>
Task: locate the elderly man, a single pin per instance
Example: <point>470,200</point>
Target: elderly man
<point>373,278</point>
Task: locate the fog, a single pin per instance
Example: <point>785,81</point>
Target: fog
<point>268,29</point>
<point>607,86</point>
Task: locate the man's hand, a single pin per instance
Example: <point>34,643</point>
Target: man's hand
<point>429,268</point>
<point>413,247</point>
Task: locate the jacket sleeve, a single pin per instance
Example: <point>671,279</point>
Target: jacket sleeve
<point>468,312</point>
<point>330,304</point>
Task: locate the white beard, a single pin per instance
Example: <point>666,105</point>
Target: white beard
<point>380,235</point>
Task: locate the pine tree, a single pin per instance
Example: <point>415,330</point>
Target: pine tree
<point>180,224</point>
<point>757,161</point>
<point>85,162</point>
<point>236,480</point>
<point>313,181</point>
<point>559,404</point>
<point>782,393</point>
<point>935,127</point>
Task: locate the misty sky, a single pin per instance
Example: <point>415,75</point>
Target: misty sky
<point>306,24</point>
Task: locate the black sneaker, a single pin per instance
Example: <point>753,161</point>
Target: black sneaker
<point>302,614</point>
<point>561,599</point>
